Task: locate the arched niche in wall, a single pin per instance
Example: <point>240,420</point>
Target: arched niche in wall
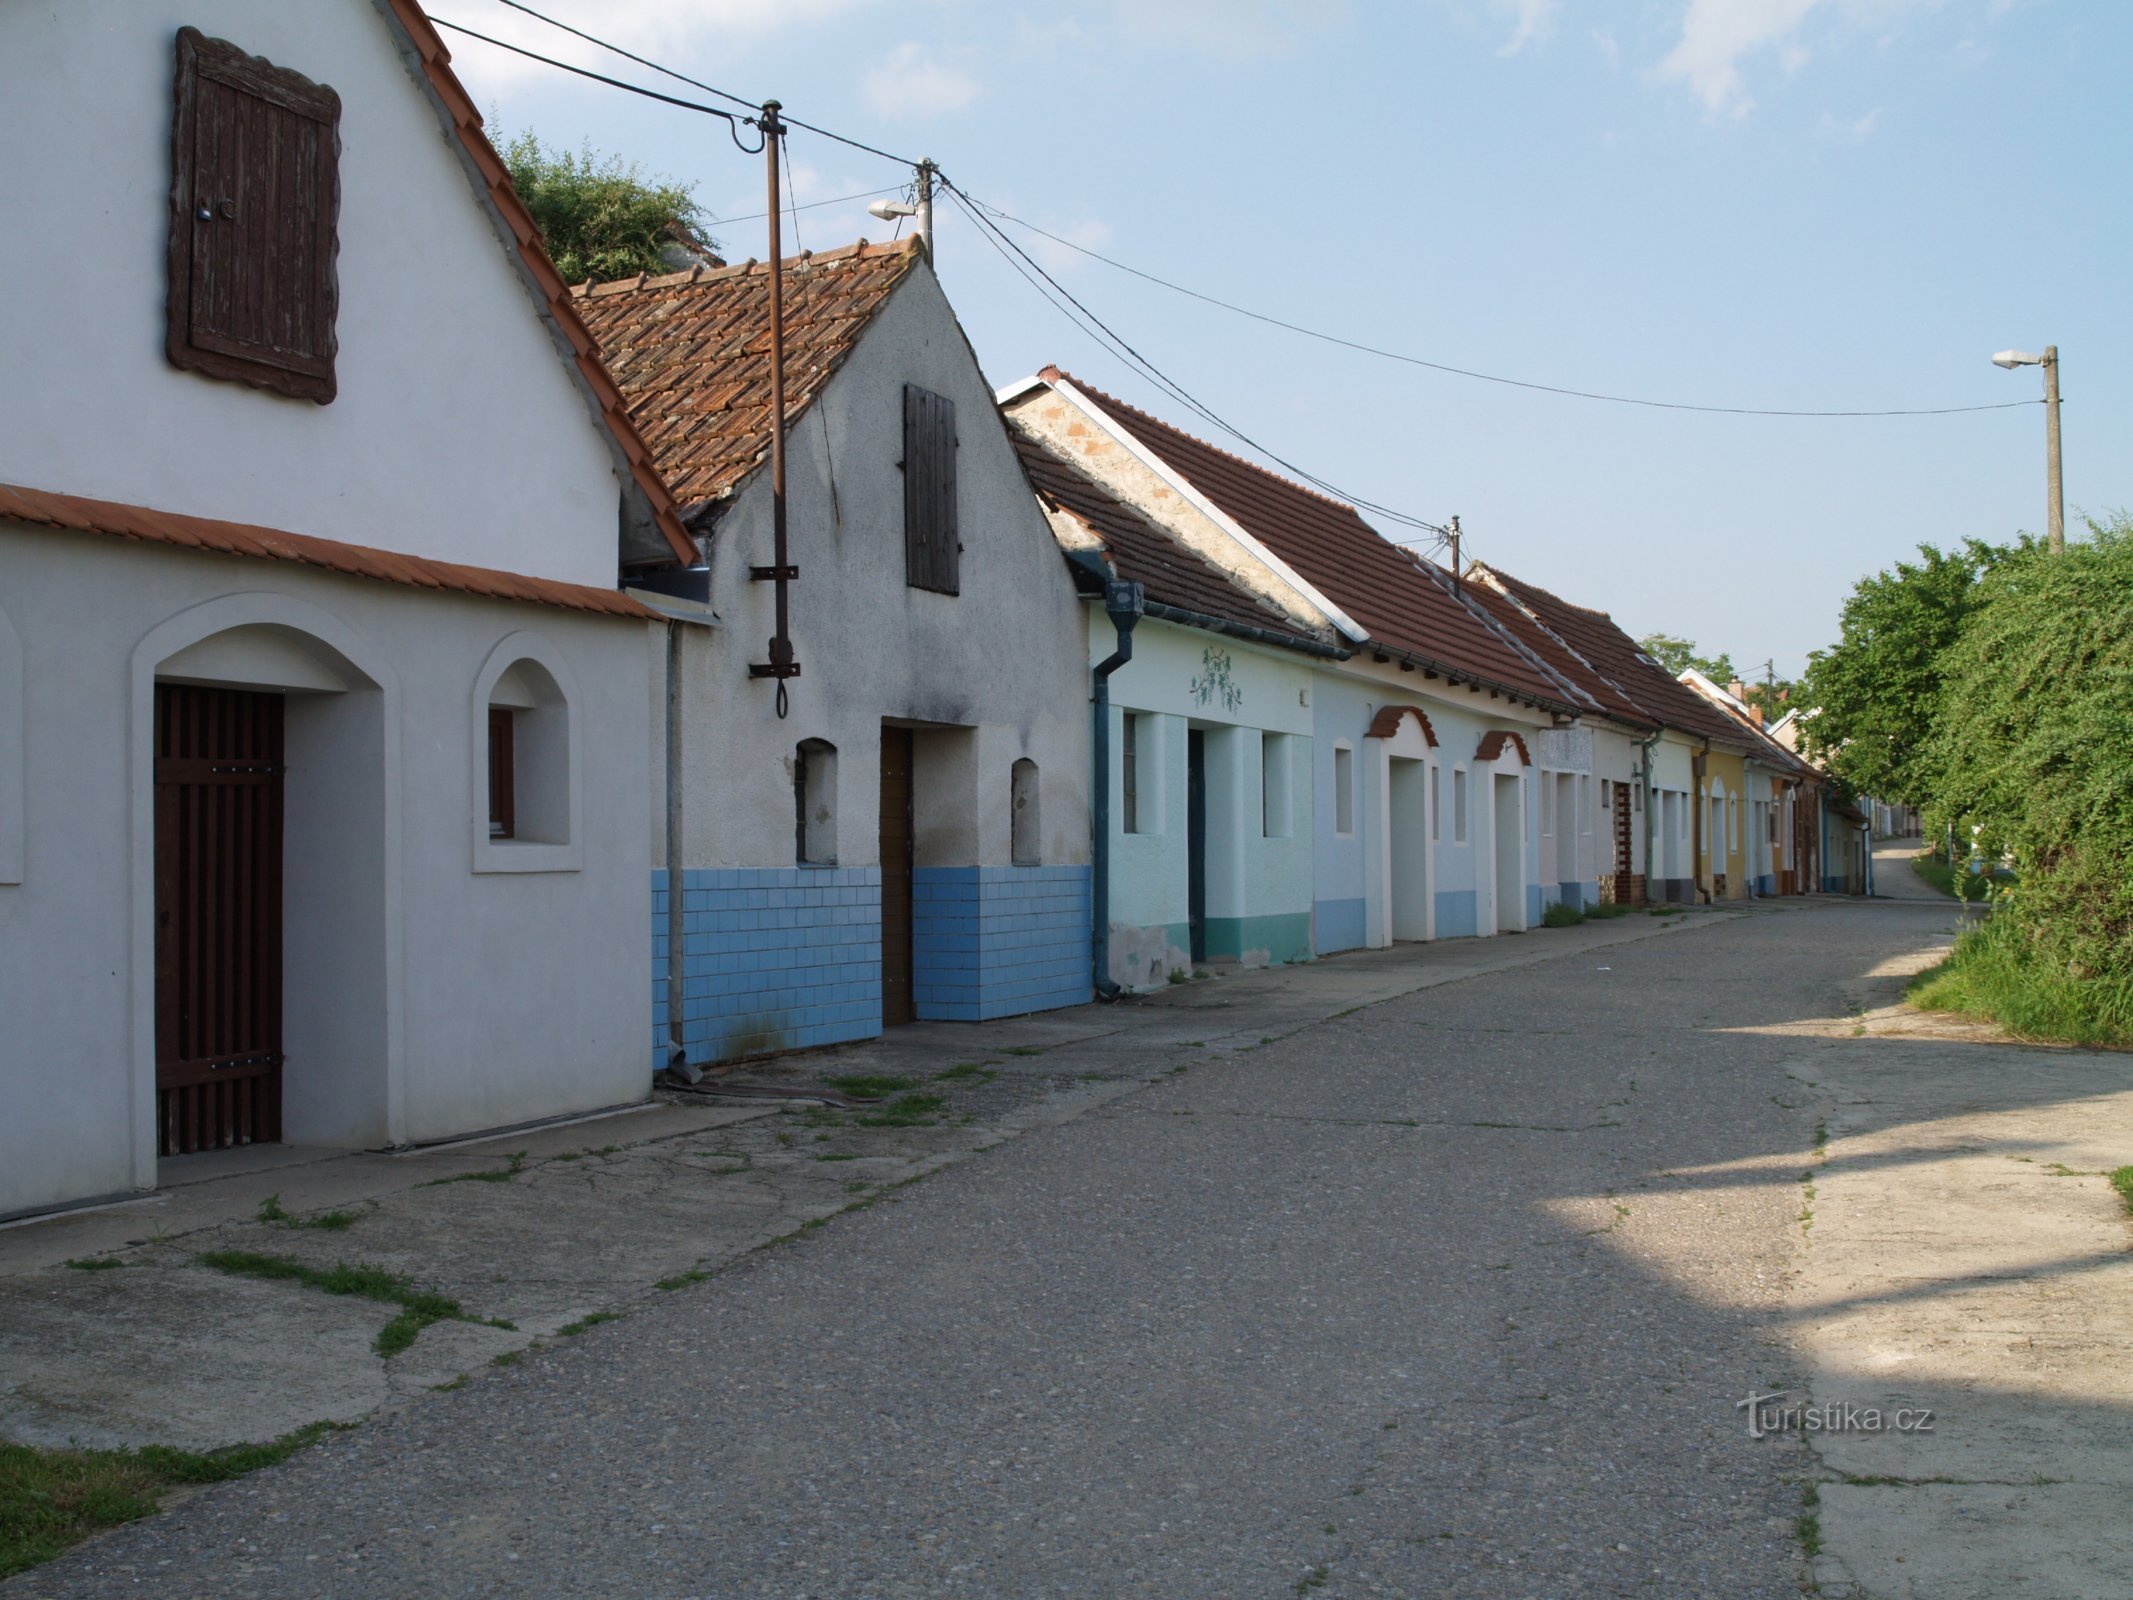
<point>1025,815</point>
<point>525,760</point>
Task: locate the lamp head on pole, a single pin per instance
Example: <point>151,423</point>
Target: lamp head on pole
<point>2010,359</point>
<point>890,210</point>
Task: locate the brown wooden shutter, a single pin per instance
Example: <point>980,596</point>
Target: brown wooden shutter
<point>255,202</point>
<point>932,551</point>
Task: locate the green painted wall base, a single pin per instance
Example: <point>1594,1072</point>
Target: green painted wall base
<point>1282,938</point>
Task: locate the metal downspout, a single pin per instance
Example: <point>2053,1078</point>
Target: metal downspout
<point>1124,602</point>
<point>677,1053</point>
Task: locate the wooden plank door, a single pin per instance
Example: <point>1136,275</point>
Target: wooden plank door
<point>218,782</point>
<point>896,999</point>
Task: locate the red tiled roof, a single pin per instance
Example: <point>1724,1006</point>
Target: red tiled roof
<point>1171,572</point>
<point>692,351</point>
<point>458,108</point>
<point>75,514</point>
<point>1764,746</point>
<point>1658,699</point>
<point>1595,691</point>
<point>1389,594</point>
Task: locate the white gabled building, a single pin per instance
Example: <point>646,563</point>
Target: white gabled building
<point>325,733</point>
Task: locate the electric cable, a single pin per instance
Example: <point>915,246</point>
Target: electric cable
<point>683,77</point>
<point>1468,372</point>
<point>733,123</point>
<point>1087,320</point>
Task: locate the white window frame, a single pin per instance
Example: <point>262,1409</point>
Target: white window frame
<point>1343,803</point>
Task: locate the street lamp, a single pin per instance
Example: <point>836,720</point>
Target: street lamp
<point>2049,361</point>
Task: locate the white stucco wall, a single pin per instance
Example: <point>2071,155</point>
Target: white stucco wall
<point>1181,679</point>
<point>424,998</point>
<point>1360,867</point>
<point>1006,658</point>
<point>457,432</point>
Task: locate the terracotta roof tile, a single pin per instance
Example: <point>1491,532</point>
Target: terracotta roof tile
<point>76,514</point>
<point>1657,698</point>
<point>1393,597</point>
<point>692,352</point>
<point>1597,693</point>
<point>458,107</point>
<point>1171,572</point>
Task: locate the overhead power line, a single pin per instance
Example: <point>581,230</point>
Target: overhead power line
<point>1061,298</point>
<point>733,122</point>
<point>1468,372</point>
<point>683,77</point>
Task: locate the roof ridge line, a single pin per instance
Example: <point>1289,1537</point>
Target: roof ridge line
<point>862,250</point>
<point>1228,455</point>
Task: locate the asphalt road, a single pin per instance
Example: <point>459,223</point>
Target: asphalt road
<point>1449,1296</point>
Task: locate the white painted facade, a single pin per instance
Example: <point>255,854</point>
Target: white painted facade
<point>991,681</point>
<point>1250,706</point>
<point>435,982</point>
<point>441,360</point>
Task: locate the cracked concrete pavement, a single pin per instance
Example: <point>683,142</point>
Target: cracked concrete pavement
<point>159,1349</point>
<point>1433,1271</point>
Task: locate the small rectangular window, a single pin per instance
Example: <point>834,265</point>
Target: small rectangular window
<point>1343,790</point>
<point>1129,763</point>
<point>1607,794</point>
<point>932,551</point>
<point>1436,810</point>
<point>503,773</point>
<point>255,201</point>
<point>1547,789</point>
<point>1459,805</point>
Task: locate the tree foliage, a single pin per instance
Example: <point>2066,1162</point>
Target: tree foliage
<point>599,216</point>
<point>1677,655</point>
<point>1876,691</point>
<point>2033,743</point>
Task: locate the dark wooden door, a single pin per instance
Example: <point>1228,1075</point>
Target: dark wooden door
<point>1196,842</point>
<point>896,1003</point>
<point>218,778</point>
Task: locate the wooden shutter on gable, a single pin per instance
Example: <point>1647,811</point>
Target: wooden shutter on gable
<point>254,205</point>
<point>932,548</point>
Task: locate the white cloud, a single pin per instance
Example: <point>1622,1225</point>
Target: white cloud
<point>1856,129</point>
<point>1532,21</point>
<point>912,84</point>
<point>667,31</point>
<point>1092,233</point>
<point>1717,35</point>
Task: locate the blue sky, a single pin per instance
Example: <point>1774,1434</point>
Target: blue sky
<point>1812,204</point>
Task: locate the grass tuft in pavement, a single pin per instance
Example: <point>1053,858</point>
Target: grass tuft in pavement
<point>503,1174</point>
<point>50,1499</point>
<point>271,1212</point>
<point>2122,1181</point>
<point>905,1111</point>
<point>871,1085</point>
<point>418,1307</point>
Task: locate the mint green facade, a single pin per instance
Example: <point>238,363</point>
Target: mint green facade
<point>1250,706</point>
